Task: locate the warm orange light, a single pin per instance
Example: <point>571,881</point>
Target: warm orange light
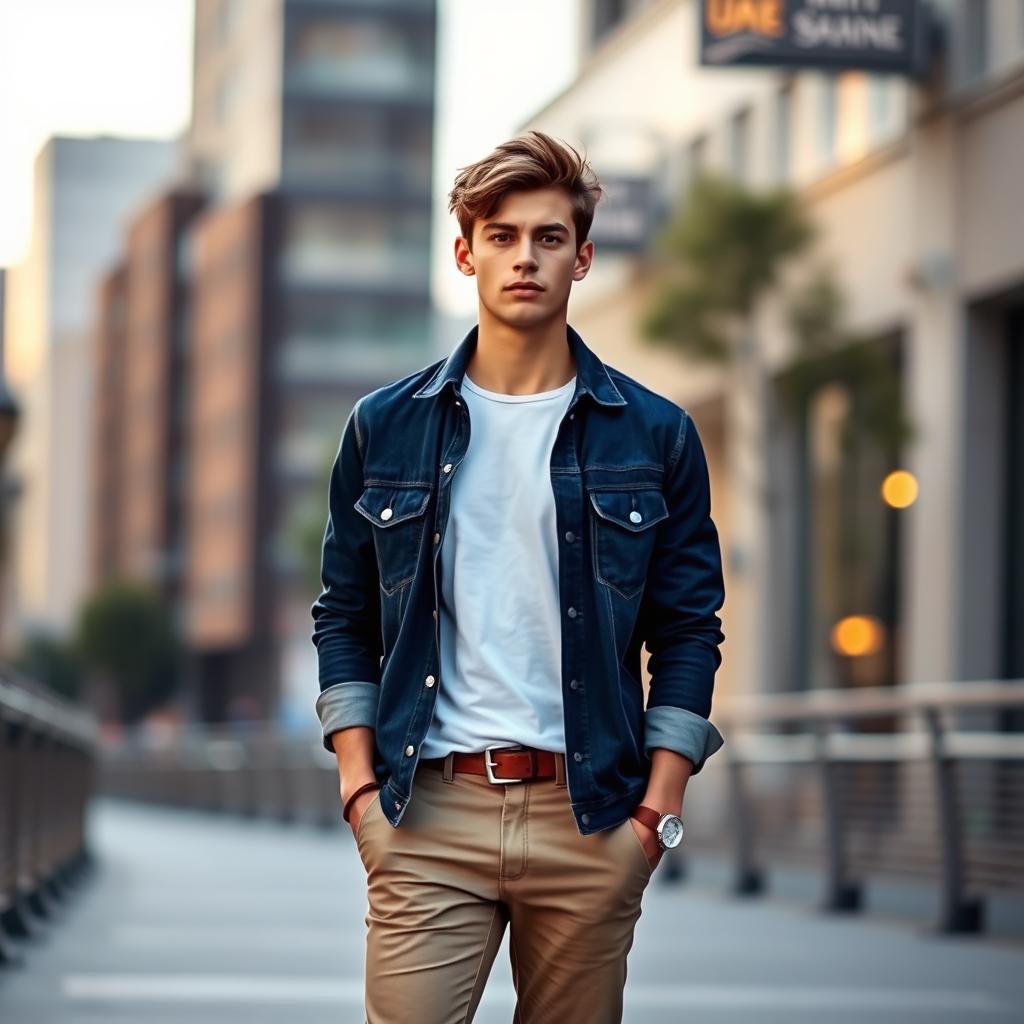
<point>857,635</point>
<point>899,488</point>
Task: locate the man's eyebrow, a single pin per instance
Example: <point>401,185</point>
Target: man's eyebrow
<point>511,227</point>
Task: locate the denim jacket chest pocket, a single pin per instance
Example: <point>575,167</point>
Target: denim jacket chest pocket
<point>622,520</point>
<point>398,514</point>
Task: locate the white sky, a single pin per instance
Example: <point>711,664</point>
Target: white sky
<point>123,67</point>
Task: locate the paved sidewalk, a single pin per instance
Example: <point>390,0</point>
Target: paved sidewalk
<point>204,919</point>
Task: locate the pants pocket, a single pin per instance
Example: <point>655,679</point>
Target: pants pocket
<point>637,844</point>
<point>375,802</point>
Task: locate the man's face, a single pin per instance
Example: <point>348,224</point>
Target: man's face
<point>530,238</point>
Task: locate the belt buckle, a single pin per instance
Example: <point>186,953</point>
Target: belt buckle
<point>489,765</point>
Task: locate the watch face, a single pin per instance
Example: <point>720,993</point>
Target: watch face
<point>671,831</point>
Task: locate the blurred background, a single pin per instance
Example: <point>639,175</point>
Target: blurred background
<point>223,221</point>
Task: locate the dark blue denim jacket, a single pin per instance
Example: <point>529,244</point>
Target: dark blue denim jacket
<point>639,563</point>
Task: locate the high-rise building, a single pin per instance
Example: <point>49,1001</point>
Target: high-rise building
<point>84,191</point>
<point>140,401</point>
<point>312,130</point>
<point>303,283</point>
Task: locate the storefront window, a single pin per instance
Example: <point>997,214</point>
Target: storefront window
<point>1013,582</point>
<point>851,547</point>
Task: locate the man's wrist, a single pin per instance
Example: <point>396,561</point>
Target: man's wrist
<point>350,783</point>
<point>353,748</point>
<point>666,784</point>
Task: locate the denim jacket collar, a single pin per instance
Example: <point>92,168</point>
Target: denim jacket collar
<point>592,375</point>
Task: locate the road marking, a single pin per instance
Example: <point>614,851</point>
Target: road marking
<point>244,988</point>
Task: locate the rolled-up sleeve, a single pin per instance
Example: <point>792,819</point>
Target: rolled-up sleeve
<point>346,615</point>
<point>678,612</point>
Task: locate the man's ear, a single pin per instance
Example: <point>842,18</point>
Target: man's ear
<point>584,259</point>
<point>464,257</point>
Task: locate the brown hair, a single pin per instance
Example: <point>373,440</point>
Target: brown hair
<point>533,160</point>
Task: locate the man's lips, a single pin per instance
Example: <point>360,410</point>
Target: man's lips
<point>523,286</point>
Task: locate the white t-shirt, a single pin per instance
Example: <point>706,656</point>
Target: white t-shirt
<point>500,626</point>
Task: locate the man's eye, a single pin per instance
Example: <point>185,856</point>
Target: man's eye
<point>504,234</point>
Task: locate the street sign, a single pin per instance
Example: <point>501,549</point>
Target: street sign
<point>872,35</point>
<point>623,220</point>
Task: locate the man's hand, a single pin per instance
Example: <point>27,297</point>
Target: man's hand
<point>649,840</point>
<point>666,788</point>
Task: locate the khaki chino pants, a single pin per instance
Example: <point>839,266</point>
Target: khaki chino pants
<point>470,857</point>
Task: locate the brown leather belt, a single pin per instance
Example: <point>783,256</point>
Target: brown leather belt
<point>502,764</point>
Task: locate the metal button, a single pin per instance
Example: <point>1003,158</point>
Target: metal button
<point>572,613</point>
<point>574,684</point>
<point>398,805</point>
<point>430,682</point>
<point>577,756</point>
<point>635,517</point>
<point>585,818</point>
<point>410,750</point>
<point>435,615</point>
<point>457,404</point>
<point>570,536</point>
<point>447,467</point>
<point>437,538</point>
<point>572,415</point>
<point>386,514</point>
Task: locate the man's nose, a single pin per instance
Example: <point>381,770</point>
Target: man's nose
<point>525,257</point>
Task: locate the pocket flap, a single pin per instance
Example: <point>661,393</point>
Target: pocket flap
<point>633,509</point>
<point>387,504</point>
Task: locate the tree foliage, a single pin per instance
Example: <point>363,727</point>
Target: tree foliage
<point>51,661</point>
<point>723,249</point>
<point>126,632</point>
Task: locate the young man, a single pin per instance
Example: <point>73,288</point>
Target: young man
<point>506,528</point>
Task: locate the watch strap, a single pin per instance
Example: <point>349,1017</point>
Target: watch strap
<point>647,815</point>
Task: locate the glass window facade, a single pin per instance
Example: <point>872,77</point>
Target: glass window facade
<point>328,335</point>
<point>345,147</point>
<point>1013,580</point>
<point>828,111</point>
<point>327,243</point>
<point>850,548</point>
<point>739,144</point>
<point>974,25</point>
<point>784,133</point>
<point>373,55</point>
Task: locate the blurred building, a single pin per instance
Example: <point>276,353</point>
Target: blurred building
<point>5,398</point>
<point>3,297</point>
<point>139,402</point>
<point>916,188</point>
<point>301,281</point>
<point>84,190</point>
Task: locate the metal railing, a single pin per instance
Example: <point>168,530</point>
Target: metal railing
<point>924,781</point>
<point>47,759</point>
<point>919,781</point>
<point>248,769</point>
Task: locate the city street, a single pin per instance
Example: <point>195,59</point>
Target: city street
<point>201,918</point>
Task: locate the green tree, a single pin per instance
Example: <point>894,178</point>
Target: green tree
<point>126,633</point>
<point>49,660</point>
<point>723,250</point>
